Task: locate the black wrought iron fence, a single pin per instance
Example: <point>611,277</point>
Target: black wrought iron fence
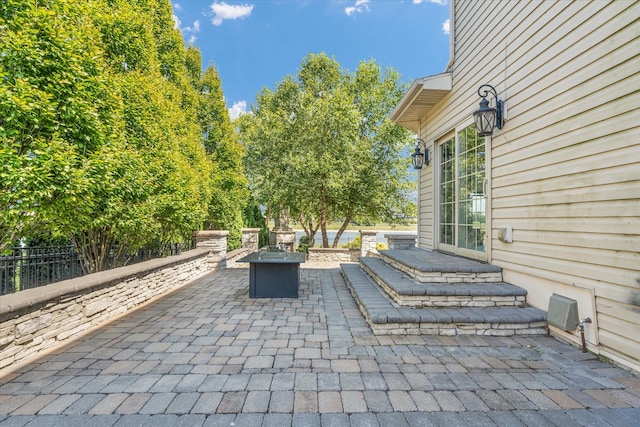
<point>31,267</point>
<point>27,268</point>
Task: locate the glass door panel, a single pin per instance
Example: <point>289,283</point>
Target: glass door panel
<point>461,202</point>
<point>471,198</point>
<point>447,199</point>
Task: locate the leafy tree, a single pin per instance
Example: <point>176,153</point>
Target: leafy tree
<point>55,107</point>
<point>229,191</point>
<point>98,127</point>
<point>322,146</point>
<point>193,62</point>
<point>253,218</point>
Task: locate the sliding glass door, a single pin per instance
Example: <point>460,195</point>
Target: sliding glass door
<point>462,198</point>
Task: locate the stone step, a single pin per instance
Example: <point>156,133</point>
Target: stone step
<point>407,292</point>
<point>434,267</point>
<point>385,316</point>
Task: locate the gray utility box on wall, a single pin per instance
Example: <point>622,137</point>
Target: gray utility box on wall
<point>563,312</point>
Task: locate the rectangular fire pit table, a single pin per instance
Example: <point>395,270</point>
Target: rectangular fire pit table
<point>274,274</point>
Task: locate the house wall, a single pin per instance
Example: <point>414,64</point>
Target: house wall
<point>565,169</point>
<point>426,220</point>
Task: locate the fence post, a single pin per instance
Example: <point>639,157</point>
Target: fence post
<point>250,237</point>
<point>216,242</point>
<point>368,241</point>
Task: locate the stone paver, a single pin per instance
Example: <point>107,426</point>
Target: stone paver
<point>208,355</point>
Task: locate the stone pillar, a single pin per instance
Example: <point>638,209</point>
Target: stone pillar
<point>250,238</point>
<point>368,241</point>
<point>282,236</point>
<point>216,242</point>
<point>401,241</point>
<point>285,239</point>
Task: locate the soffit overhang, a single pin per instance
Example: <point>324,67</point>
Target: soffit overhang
<point>420,99</point>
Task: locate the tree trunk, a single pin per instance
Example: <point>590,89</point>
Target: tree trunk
<point>323,221</point>
<point>309,229</point>
<point>94,248</point>
<point>343,227</point>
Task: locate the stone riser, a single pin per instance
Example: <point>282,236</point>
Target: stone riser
<point>434,278</point>
<point>449,301</point>
<point>452,330</point>
<point>471,301</point>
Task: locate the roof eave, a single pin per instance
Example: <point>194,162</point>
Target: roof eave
<point>420,99</point>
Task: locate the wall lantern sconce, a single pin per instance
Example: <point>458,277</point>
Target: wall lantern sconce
<point>419,158</point>
<point>487,118</point>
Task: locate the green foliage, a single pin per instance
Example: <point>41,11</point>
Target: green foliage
<point>55,108</point>
<point>103,129</point>
<point>353,244</point>
<point>323,146</point>
<point>303,244</point>
<point>229,191</point>
<point>193,62</point>
<point>253,218</point>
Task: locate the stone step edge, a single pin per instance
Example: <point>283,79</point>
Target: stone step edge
<point>401,284</point>
<point>384,317</point>
<point>443,277</point>
<point>419,265</point>
<point>409,293</point>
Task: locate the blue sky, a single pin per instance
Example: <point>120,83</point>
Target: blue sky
<point>256,43</point>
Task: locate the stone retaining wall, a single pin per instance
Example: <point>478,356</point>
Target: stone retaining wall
<point>233,256</point>
<point>34,320</point>
<point>333,255</point>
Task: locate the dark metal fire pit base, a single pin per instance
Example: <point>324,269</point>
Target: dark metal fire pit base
<point>274,274</point>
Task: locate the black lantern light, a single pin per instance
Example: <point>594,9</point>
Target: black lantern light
<point>487,118</point>
<point>419,158</point>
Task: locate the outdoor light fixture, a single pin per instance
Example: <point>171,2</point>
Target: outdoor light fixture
<point>487,118</point>
<point>419,158</point>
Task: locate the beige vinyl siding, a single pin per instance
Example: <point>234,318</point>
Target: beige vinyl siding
<point>425,197</point>
<point>425,209</point>
<point>566,166</point>
<point>565,169</point>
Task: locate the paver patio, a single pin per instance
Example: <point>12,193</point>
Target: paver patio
<point>209,355</point>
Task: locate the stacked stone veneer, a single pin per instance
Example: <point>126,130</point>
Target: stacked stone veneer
<point>368,242</point>
<point>216,242</point>
<point>35,320</point>
<point>333,255</point>
<point>250,239</point>
<point>401,241</point>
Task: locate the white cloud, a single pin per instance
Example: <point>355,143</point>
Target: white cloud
<point>239,108</point>
<point>359,7</point>
<point>222,11</point>
<point>177,6</point>
<point>440,2</point>
<point>445,27</point>
<point>176,22</point>
<point>193,28</point>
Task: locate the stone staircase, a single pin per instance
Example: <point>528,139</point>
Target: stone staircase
<point>415,291</point>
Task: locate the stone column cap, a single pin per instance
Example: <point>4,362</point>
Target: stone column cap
<point>211,233</point>
<point>368,232</point>
<point>250,230</point>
